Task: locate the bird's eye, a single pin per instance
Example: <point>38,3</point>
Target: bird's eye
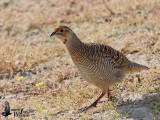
<point>61,31</point>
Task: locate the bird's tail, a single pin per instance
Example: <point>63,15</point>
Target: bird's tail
<point>134,67</point>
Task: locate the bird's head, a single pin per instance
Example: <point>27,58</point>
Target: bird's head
<point>63,33</point>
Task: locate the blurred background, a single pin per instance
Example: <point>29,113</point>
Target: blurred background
<point>37,73</point>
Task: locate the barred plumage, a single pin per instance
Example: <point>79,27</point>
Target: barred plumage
<point>98,64</point>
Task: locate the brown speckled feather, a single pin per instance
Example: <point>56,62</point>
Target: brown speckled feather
<point>116,57</point>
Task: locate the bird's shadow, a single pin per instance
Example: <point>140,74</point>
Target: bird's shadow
<point>146,107</point>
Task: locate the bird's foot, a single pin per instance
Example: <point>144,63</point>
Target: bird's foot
<point>87,108</point>
<point>93,105</point>
<point>112,98</point>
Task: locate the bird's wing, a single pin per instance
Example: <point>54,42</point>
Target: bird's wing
<point>7,107</point>
<point>115,57</point>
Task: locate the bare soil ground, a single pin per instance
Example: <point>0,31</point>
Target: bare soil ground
<point>38,75</point>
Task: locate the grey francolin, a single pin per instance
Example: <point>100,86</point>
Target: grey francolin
<point>98,64</point>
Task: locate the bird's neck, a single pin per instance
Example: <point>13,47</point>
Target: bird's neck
<point>73,43</point>
<point>74,46</point>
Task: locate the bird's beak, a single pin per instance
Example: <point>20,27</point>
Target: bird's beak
<point>53,34</point>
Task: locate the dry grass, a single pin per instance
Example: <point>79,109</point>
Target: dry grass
<point>26,50</point>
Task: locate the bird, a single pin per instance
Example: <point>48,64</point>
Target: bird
<point>6,109</point>
<point>98,64</point>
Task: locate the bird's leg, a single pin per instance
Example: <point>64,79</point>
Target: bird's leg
<point>95,102</point>
<point>110,98</point>
<point>108,93</point>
